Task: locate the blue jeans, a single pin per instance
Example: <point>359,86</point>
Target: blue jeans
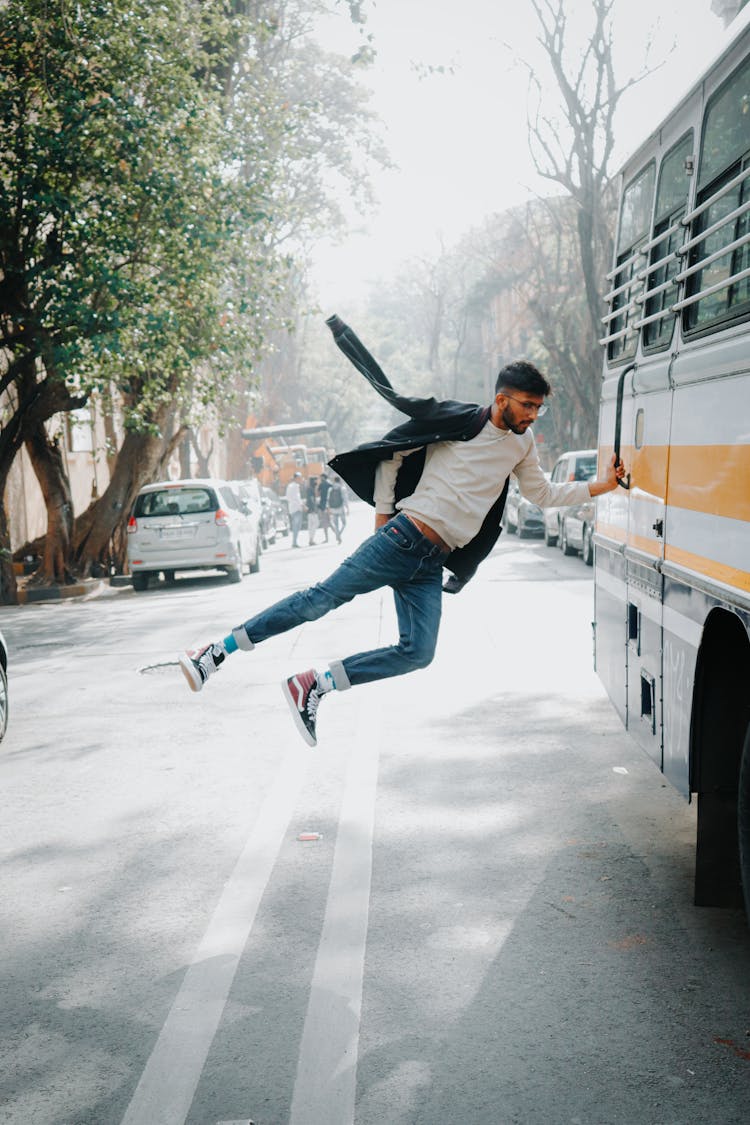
<point>397,555</point>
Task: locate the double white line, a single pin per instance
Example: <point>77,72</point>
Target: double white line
<point>325,1086</point>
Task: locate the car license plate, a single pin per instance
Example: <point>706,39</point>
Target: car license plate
<point>176,532</point>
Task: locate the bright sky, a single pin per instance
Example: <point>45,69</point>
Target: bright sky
<point>459,140</point>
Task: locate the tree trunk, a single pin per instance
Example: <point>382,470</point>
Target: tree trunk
<point>56,567</point>
<point>202,460</point>
<point>11,440</point>
<point>100,532</point>
<point>8,588</point>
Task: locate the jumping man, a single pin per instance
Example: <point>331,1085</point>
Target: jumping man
<point>438,484</point>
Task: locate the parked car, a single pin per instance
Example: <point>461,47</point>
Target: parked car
<point>577,531</point>
<point>275,517</point>
<point>191,525</point>
<point>577,464</point>
<point>3,687</point>
<point>520,514</point>
<point>249,492</point>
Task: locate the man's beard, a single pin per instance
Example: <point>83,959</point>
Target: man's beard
<point>517,429</point>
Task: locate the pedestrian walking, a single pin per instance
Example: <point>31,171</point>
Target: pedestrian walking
<point>324,488</point>
<point>311,507</point>
<point>337,506</point>
<point>293,497</point>
<point>438,484</point>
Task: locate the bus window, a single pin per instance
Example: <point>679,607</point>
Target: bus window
<point>669,234</point>
<point>719,271</point>
<point>635,222</point>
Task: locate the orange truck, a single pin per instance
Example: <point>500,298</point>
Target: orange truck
<point>277,456</point>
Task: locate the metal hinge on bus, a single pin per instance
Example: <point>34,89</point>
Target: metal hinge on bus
<point>658,527</point>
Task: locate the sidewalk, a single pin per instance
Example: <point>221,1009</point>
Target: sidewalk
<point>87,588</point>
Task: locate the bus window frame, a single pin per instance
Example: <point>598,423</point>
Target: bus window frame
<point>669,218</point>
<point>627,255</point>
<point>740,160</point>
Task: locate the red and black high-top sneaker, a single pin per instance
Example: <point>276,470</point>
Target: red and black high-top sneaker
<point>303,696</point>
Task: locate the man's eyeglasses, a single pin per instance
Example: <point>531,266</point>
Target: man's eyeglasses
<point>539,409</point>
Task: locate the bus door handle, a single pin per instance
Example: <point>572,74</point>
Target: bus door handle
<point>625,482</point>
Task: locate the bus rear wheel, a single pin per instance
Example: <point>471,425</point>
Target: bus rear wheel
<point>743,821</point>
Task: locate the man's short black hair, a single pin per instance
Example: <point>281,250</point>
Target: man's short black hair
<point>523,376</point>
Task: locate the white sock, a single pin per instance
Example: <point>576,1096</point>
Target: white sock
<point>325,682</point>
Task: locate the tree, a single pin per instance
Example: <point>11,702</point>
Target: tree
<point>140,218</point>
<point>326,151</point>
<point>569,242</point>
<point>115,211</point>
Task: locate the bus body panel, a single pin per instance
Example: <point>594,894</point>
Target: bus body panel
<point>672,565</point>
<point>610,629</point>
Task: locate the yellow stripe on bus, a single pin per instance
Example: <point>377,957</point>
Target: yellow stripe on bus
<point>648,468</point>
<point>712,479</point>
<point>729,575</point>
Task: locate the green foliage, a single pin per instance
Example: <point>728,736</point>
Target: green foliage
<point>156,161</point>
<point>122,217</point>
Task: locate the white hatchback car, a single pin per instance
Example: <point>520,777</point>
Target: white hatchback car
<point>191,525</point>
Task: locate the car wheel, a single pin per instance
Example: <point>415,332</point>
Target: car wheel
<point>140,580</point>
<point>169,577</point>
<point>235,572</point>
<point>3,703</point>
<point>565,546</point>
<point>549,539</point>
<point>510,528</point>
<point>588,545</point>
<point>255,563</point>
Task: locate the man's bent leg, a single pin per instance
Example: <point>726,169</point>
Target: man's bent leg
<point>418,608</point>
<point>396,555</point>
<point>366,570</point>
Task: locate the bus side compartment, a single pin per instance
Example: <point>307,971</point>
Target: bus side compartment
<point>610,637</point>
<point>644,658</point>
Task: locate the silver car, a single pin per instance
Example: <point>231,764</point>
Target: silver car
<point>521,515</point>
<point>191,525</point>
<point>577,531</point>
<point>576,464</point>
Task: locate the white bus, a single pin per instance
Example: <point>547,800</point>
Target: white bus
<point>672,566</point>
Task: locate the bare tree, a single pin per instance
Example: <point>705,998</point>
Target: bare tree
<point>573,148</point>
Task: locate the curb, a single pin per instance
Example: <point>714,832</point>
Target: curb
<point>87,588</point>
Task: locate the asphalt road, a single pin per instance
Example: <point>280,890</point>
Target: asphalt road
<point>493,926</point>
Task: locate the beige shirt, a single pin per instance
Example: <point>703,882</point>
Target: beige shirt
<point>461,481</point>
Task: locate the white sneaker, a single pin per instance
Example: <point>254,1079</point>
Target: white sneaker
<point>198,664</point>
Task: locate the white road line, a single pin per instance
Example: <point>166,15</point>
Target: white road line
<point>169,1080</point>
<point>325,1086</point>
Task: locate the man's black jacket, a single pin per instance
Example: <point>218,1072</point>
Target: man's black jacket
<point>429,422</point>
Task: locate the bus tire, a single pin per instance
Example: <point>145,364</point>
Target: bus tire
<point>743,821</point>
